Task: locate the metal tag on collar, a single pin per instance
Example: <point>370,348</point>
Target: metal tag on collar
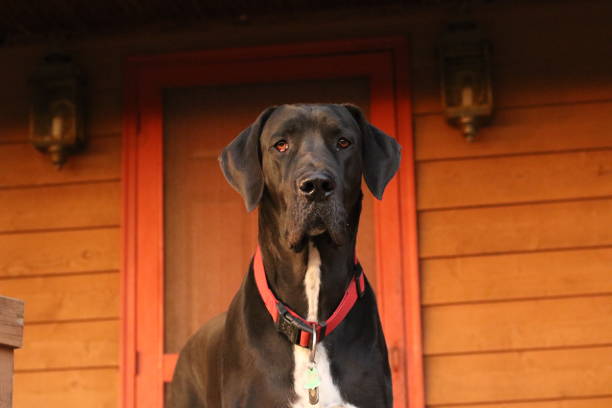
<point>289,325</point>
<point>284,324</point>
<point>313,373</point>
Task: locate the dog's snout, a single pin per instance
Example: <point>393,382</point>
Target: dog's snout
<point>316,187</point>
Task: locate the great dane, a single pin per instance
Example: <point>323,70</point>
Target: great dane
<point>303,329</point>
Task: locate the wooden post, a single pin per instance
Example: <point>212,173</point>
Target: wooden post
<point>11,335</point>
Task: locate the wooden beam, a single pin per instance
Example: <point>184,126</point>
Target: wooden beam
<point>11,322</point>
<point>11,334</point>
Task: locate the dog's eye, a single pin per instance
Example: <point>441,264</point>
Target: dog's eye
<point>343,143</point>
<point>281,146</point>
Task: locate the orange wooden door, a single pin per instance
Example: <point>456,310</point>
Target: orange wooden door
<point>188,239</point>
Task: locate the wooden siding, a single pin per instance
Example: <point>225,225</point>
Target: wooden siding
<point>514,230</point>
<point>60,253</point>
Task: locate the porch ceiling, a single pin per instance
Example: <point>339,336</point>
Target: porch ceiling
<point>72,17</point>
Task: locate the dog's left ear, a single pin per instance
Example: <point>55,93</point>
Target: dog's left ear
<point>240,162</point>
<point>381,153</point>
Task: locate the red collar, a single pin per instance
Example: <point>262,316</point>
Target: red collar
<point>297,329</point>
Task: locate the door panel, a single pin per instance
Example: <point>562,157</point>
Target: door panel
<point>209,237</point>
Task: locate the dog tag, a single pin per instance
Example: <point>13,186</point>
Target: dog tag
<point>313,396</point>
<point>313,380</point>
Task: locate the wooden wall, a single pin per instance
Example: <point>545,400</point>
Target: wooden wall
<point>515,237</point>
<point>515,229</point>
<point>59,251</point>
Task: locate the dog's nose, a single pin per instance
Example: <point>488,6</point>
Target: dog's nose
<point>317,187</point>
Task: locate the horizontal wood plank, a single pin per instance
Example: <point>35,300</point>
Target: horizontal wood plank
<point>94,388</point>
<point>518,376</point>
<point>52,298</point>
<point>68,206</point>
<point>518,325</point>
<point>69,345</point>
<point>588,402</point>
<point>23,165</point>
<point>61,252</point>
<point>514,179</point>
<point>516,276</point>
<point>513,131</point>
<point>515,228</point>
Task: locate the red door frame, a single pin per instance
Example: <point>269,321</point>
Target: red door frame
<point>143,365</point>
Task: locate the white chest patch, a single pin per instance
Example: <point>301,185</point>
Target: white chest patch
<point>329,395</point>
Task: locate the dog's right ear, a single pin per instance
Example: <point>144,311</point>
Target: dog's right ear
<point>240,162</point>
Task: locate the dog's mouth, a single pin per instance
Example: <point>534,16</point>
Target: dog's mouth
<point>307,219</point>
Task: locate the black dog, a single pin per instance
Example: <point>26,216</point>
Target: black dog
<point>302,164</point>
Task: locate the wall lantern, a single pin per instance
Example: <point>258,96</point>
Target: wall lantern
<point>56,114</point>
<point>464,58</point>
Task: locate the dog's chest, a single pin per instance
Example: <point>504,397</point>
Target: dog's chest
<point>329,394</point>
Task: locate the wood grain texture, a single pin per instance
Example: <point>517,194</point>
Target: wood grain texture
<point>53,298</point>
<point>589,402</point>
<point>69,345</point>
<point>518,325</point>
<point>516,276</point>
<point>22,165</point>
<point>69,206</point>
<point>537,129</point>
<point>94,388</point>
<point>11,322</point>
<point>61,252</point>
<point>6,377</point>
<point>514,179</point>
<point>518,376</point>
<point>515,228</point>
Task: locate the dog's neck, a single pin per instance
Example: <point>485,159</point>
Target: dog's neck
<point>286,269</point>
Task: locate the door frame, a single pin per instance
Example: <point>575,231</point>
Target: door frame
<point>384,61</point>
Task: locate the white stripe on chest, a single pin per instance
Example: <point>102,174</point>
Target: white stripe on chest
<point>329,395</point>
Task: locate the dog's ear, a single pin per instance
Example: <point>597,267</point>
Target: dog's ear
<point>240,162</point>
<point>381,153</point>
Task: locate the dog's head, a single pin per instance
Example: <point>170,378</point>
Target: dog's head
<point>309,160</point>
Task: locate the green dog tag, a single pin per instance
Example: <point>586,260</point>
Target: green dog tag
<point>313,379</point>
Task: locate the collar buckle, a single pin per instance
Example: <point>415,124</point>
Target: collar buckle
<point>291,326</point>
